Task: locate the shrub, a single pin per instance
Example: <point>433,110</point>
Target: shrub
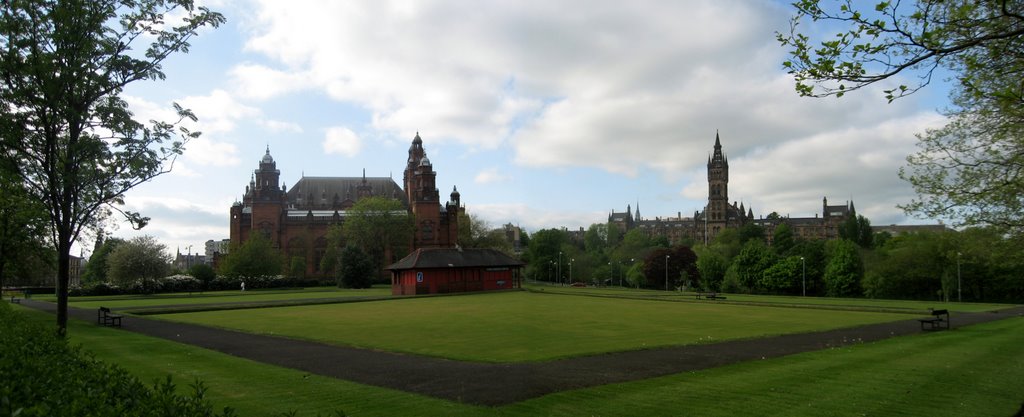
<point>44,376</point>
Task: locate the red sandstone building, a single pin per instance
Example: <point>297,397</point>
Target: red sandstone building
<point>453,270</point>
<point>296,220</point>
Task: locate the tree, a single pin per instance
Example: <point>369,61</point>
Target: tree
<point>297,267</point>
<point>381,227</point>
<point>857,229</point>
<point>782,239</point>
<point>254,258</point>
<point>63,66</point>
<point>635,275</point>
<point>595,240</point>
<point>141,258</point>
<point>969,169</point>
<point>750,231</point>
<point>844,269</point>
<point>97,267</point>
<point>23,226</point>
<point>475,232</point>
<point>783,277</point>
<point>876,45</point>
<point>752,261</point>
<point>204,273</point>
<point>543,251</point>
<point>712,266</point>
<point>356,270</point>
<point>681,262</point>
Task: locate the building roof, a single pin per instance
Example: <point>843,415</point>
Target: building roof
<point>427,258</point>
<point>324,190</point>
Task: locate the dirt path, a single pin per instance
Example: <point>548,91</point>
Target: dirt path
<point>499,384</point>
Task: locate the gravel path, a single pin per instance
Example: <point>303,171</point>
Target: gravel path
<point>498,384</point>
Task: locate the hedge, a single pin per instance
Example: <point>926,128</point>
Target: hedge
<point>45,376</point>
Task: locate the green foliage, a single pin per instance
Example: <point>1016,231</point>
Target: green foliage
<point>635,275</point>
<point>681,264</point>
<point>784,277</point>
<point>63,66</point>
<point>752,261</point>
<point>356,269</point>
<point>204,273</point>
<point>141,258</point>
<point>844,269</point>
<point>969,169</point>
<point>475,232</point>
<point>750,231</point>
<point>297,267</point>
<point>381,227</point>
<point>712,266</point>
<point>23,228</point>
<point>97,267</point>
<point>543,252</point>
<point>254,258</point>
<point>782,239</point>
<point>857,229</point>
<point>45,376</point>
<point>595,240</point>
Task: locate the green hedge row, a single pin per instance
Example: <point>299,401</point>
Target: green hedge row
<point>42,375</point>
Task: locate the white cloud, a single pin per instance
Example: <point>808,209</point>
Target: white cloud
<point>279,126</point>
<point>533,219</point>
<point>489,176</point>
<point>858,163</point>
<point>341,140</point>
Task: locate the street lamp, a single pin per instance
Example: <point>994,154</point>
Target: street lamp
<point>611,278</point>
<point>571,260</point>
<point>559,277</point>
<point>666,272</point>
<point>803,267</point>
<point>188,260</point>
<point>959,294</point>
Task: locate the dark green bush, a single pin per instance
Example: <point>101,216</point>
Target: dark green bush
<point>44,376</point>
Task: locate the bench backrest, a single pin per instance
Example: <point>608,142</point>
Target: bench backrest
<point>940,312</point>
<point>104,310</point>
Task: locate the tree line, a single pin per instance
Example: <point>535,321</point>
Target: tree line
<point>974,264</point>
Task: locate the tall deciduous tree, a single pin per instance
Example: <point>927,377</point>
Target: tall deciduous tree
<point>381,227</point>
<point>970,169</point>
<point>63,67</point>
<point>844,270</point>
<point>23,224</point>
<point>141,258</point>
<point>254,258</point>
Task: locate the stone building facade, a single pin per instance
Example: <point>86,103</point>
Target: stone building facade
<point>719,214</point>
<point>296,220</point>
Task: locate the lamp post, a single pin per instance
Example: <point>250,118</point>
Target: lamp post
<point>803,281</point>
<point>188,260</point>
<point>571,260</point>
<point>631,262</point>
<point>959,294</point>
<point>611,278</point>
<point>666,272</point>
<point>559,269</point>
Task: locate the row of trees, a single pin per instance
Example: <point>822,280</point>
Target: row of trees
<point>976,264</point>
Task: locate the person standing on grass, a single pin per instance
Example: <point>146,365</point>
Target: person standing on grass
<point>243,286</point>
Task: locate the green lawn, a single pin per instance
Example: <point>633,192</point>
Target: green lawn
<point>119,302</point>
<point>973,370</point>
<point>783,300</point>
<point>522,326</point>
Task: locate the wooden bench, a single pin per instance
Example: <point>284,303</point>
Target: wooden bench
<point>105,318</point>
<point>710,296</point>
<point>936,321</point>
<point>15,300</point>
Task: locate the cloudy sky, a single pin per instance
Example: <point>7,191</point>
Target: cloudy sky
<point>543,114</point>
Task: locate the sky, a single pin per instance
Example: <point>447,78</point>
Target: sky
<point>543,114</point>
